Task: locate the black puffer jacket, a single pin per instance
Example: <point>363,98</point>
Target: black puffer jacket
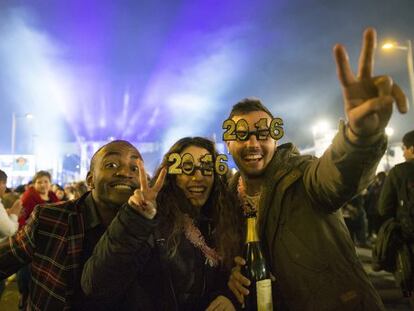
<point>397,197</point>
<point>130,269</point>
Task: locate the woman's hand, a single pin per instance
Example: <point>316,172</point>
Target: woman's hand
<point>144,199</point>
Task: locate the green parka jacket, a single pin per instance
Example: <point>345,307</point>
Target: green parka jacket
<point>308,246</point>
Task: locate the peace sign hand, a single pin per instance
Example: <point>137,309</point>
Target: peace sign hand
<point>368,100</point>
<point>144,199</point>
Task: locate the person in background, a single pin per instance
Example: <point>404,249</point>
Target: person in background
<point>39,193</point>
<point>371,205</point>
<point>81,188</point>
<point>70,191</point>
<point>397,201</point>
<point>8,218</point>
<point>391,202</point>
<point>20,189</point>
<point>59,192</point>
<point>356,221</point>
<point>9,199</point>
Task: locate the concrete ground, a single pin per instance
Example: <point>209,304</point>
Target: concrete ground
<point>385,284</point>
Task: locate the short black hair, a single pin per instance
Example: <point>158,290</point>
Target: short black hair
<point>41,174</point>
<point>20,189</point>
<point>119,141</point>
<point>247,105</point>
<point>3,175</point>
<point>408,139</point>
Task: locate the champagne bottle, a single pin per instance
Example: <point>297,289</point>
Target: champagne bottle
<point>256,270</point>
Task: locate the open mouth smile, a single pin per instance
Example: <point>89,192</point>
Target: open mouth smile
<point>196,190</point>
<point>251,158</point>
<point>123,187</point>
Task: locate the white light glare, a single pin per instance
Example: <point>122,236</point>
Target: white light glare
<point>388,46</point>
<point>389,131</point>
<point>320,127</point>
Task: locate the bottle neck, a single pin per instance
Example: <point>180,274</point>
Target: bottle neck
<point>251,233</point>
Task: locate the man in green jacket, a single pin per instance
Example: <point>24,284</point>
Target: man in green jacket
<point>307,245</point>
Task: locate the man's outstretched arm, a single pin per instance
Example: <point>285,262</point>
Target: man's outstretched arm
<point>349,164</point>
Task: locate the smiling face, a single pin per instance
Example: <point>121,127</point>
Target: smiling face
<point>114,174</point>
<point>42,185</point>
<point>197,187</point>
<point>252,155</point>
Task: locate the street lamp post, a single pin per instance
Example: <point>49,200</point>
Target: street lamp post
<point>410,66</point>
<point>13,129</point>
<point>13,133</point>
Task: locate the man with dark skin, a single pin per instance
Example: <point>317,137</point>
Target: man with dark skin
<point>297,198</point>
<point>113,177</point>
<point>59,238</point>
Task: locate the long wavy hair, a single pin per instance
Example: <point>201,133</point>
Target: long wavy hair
<point>221,207</point>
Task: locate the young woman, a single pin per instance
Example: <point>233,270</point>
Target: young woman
<point>169,249</point>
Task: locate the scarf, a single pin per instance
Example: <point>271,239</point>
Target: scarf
<point>193,234</point>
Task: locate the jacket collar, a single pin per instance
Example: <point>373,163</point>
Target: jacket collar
<point>75,238</point>
<point>92,217</point>
<point>281,172</point>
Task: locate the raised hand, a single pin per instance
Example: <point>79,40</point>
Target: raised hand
<point>368,100</point>
<point>144,199</point>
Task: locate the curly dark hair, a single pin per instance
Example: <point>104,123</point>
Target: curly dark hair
<point>221,207</point>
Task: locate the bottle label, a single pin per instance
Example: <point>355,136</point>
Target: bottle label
<point>264,295</point>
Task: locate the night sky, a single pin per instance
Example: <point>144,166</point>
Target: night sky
<point>159,70</point>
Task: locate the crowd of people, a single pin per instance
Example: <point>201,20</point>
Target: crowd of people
<point>16,206</point>
<point>173,241</point>
<point>362,216</point>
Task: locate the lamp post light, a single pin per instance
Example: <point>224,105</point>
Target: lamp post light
<point>28,116</point>
<point>408,48</point>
